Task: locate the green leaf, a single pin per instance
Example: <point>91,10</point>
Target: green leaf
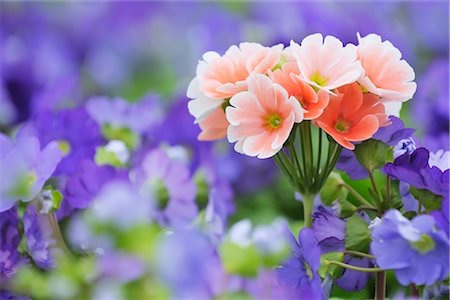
<point>429,200</point>
<point>346,208</point>
<point>334,271</point>
<point>105,157</point>
<point>56,196</point>
<point>272,260</point>
<point>410,215</point>
<point>123,134</point>
<point>240,295</point>
<point>372,154</point>
<point>357,234</point>
<point>396,197</point>
<point>202,189</point>
<point>244,261</point>
<point>333,189</point>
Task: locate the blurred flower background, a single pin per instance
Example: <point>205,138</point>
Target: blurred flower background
<point>107,82</point>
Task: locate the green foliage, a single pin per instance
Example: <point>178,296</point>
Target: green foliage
<point>357,234</point>
<point>333,189</point>
<point>428,200</point>
<point>272,260</point>
<point>69,280</point>
<point>346,208</point>
<point>105,157</point>
<point>240,295</point>
<point>410,214</point>
<point>373,154</point>
<point>57,197</point>
<point>425,244</point>
<point>22,186</point>
<point>125,135</point>
<point>326,268</point>
<point>139,240</point>
<point>202,189</point>
<point>240,260</point>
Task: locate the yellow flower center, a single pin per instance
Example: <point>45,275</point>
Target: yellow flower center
<point>274,121</point>
<point>425,244</point>
<point>319,79</point>
<point>342,126</point>
<point>64,146</point>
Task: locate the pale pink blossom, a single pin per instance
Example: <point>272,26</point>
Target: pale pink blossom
<point>386,74</point>
<point>214,126</point>
<point>221,77</point>
<point>262,118</point>
<point>326,63</point>
<point>288,77</point>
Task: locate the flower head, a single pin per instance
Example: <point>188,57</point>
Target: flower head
<point>81,188</point>
<point>352,116</point>
<point>404,146</point>
<point>440,159</point>
<point>326,63</point>
<point>261,118</point>
<point>299,271</point>
<point>10,258</point>
<point>289,78</point>
<point>40,243</point>
<point>179,256</point>
<point>441,217</point>
<point>119,204</point>
<point>386,74</point>
<point>167,182</point>
<point>391,135</point>
<point>214,126</point>
<point>329,231</point>
<point>418,253</point>
<point>139,117</point>
<point>221,77</point>
<point>415,170</point>
<point>65,127</point>
<point>25,168</point>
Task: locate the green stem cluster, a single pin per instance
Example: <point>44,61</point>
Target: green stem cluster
<point>301,162</point>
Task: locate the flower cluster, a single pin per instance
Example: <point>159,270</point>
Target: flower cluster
<point>108,189</point>
<point>254,94</point>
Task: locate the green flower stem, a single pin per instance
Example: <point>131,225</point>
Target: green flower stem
<point>357,195</point>
<point>334,150</point>
<point>309,151</point>
<point>363,208</point>
<point>375,188</point>
<point>295,161</point>
<point>319,154</point>
<point>380,285</point>
<point>284,169</point>
<point>304,158</point>
<point>56,232</point>
<point>347,266</point>
<point>308,203</point>
<point>358,253</point>
<point>388,192</point>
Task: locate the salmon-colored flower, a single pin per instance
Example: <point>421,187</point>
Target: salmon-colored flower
<point>326,63</point>
<point>386,74</point>
<point>214,126</point>
<point>313,103</point>
<point>221,77</point>
<point>352,116</point>
<point>262,118</point>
